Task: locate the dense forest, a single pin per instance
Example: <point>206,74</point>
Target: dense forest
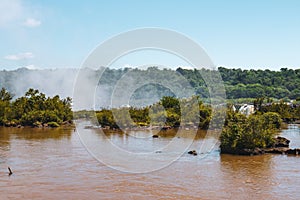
<point>252,84</point>
<point>245,85</point>
<point>34,109</point>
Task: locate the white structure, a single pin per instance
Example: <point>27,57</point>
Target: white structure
<point>233,108</point>
<point>246,109</point>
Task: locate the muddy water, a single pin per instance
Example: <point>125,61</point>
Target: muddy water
<point>53,164</point>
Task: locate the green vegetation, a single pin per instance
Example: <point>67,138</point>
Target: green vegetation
<point>169,111</point>
<point>262,83</point>
<point>251,84</point>
<point>83,114</point>
<point>242,86</point>
<point>34,109</point>
<point>289,112</point>
<point>256,131</point>
<point>239,133</point>
<point>269,90</point>
<point>53,124</point>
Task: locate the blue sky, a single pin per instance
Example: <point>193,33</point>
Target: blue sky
<point>245,34</point>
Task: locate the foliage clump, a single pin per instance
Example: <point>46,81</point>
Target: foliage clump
<point>169,111</point>
<point>34,109</point>
<point>256,131</point>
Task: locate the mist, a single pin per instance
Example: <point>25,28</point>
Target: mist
<point>102,88</point>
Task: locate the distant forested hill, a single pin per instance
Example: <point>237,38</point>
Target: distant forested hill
<point>253,83</point>
<point>238,83</point>
<point>256,83</point>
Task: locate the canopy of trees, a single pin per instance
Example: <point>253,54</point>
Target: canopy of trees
<point>256,131</point>
<point>34,109</point>
<point>238,83</point>
<point>261,83</point>
<point>289,112</point>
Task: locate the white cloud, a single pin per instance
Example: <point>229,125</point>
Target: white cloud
<point>20,56</point>
<point>10,10</point>
<point>31,22</point>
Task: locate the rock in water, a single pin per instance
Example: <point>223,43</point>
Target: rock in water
<point>281,142</point>
<point>193,152</point>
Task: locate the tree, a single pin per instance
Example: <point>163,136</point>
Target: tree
<point>5,108</point>
<point>33,108</point>
<point>255,131</point>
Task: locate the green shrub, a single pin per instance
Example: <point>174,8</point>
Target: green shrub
<point>53,124</point>
<point>256,131</point>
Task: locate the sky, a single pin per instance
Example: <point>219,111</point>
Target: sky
<point>236,34</point>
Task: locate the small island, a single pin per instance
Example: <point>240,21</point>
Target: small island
<point>254,135</point>
<point>34,109</point>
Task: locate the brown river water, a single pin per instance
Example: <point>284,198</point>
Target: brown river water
<point>54,164</point>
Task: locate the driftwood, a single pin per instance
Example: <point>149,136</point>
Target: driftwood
<point>9,171</point>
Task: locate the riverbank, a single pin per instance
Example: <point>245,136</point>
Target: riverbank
<point>41,125</point>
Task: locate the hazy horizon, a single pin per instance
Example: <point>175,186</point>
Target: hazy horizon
<point>139,67</point>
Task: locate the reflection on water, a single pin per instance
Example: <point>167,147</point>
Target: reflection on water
<point>34,133</point>
<point>53,164</point>
<point>169,133</point>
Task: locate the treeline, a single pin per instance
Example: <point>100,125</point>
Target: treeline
<point>289,112</point>
<point>191,112</point>
<point>239,84</point>
<point>168,112</point>
<point>34,109</point>
<point>283,84</point>
<point>251,83</point>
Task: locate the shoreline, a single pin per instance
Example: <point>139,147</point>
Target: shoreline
<point>40,126</point>
<point>263,151</point>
